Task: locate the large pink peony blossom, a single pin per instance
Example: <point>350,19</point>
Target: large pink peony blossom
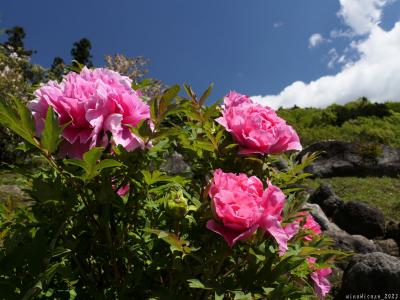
<point>92,105</point>
<point>241,206</point>
<point>322,285</point>
<point>256,128</point>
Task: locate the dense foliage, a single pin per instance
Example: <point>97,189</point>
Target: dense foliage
<point>359,120</point>
<point>110,221</point>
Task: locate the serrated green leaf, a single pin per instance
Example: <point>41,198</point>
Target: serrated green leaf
<point>205,95</point>
<point>196,284</point>
<point>22,125</point>
<point>175,242</point>
<point>51,132</point>
<point>25,116</point>
<point>91,157</point>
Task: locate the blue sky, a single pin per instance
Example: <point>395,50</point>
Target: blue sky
<point>256,47</point>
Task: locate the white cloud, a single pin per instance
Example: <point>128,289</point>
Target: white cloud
<point>376,75</point>
<point>370,65</point>
<point>315,39</point>
<point>338,33</point>
<point>362,15</point>
<point>277,24</point>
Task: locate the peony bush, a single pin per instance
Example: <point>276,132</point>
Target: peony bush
<point>108,220</point>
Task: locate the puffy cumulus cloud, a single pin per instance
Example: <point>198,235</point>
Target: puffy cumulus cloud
<point>362,15</point>
<point>376,75</point>
<point>315,40</point>
<point>370,64</point>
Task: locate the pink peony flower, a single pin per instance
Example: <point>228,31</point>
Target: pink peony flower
<point>123,190</point>
<point>234,99</point>
<point>322,285</point>
<point>241,206</point>
<point>257,128</point>
<point>92,105</point>
<point>310,224</point>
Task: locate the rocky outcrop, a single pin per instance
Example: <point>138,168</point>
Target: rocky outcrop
<point>352,243</point>
<point>359,218</point>
<point>321,217</point>
<point>371,273</point>
<point>388,246</point>
<point>393,231</point>
<point>339,158</point>
<point>326,198</point>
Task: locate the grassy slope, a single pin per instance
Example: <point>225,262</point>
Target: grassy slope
<point>383,192</point>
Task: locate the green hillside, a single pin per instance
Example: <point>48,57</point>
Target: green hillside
<point>359,120</point>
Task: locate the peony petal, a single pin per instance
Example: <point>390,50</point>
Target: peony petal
<point>230,236</point>
<point>322,285</point>
<point>274,200</point>
<point>291,229</point>
<point>272,225</point>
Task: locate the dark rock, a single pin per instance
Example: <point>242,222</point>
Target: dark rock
<point>352,243</point>
<point>280,164</point>
<point>388,246</point>
<point>359,218</point>
<point>326,198</point>
<point>320,217</point>
<point>175,164</point>
<point>393,231</point>
<point>371,273</point>
<point>339,158</point>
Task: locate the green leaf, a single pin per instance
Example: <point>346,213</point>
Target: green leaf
<point>75,162</point>
<point>204,145</point>
<point>144,129</point>
<point>144,83</point>
<point>76,66</point>
<point>165,101</point>
<point>108,163</point>
<point>239,295</point>
<point>51,132</point>
<point>189,92</point>
<point>92,156</point>
<point>167,132</point>
<point>205,95</point>
<point>196,284</point>
<point>91,164</point>
<point>26,116</point>
<point>176,243</point>
<point>20,121</point>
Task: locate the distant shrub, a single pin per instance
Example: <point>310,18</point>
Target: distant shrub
<point>359,120</point>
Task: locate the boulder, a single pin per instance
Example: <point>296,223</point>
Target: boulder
<point>371,273</point>
<point>340,158</point>
<point>320,217</point>
<point>393,231</point>
<point>359,218</point>
<point>388,246</point>
<point>175,164</point>
<point>326,198</point>
<point>352,243</point>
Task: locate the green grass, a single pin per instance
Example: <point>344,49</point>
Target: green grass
<point>381,192</point>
